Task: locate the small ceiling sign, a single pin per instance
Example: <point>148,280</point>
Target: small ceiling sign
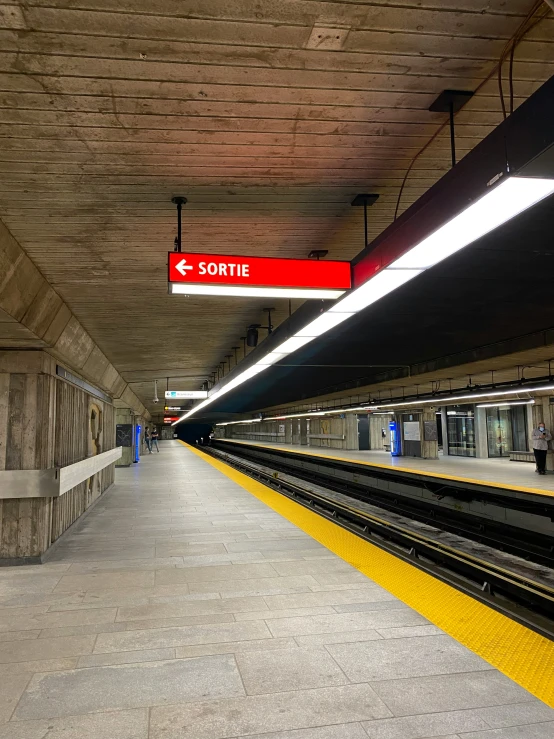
<point>186,394</point>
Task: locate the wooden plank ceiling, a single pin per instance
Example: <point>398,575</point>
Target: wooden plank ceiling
<point>108,108</point>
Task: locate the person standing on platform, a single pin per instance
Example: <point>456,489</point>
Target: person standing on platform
<point>147,440</point>
<point>154,440</point>
<point>540,438</point>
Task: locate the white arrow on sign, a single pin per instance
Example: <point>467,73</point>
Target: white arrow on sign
<point>183,267</point>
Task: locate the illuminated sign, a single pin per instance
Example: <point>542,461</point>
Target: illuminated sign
<point>210,274</point>
<point>186,394</point>
<point>170,419</point>
<point>173,408</point>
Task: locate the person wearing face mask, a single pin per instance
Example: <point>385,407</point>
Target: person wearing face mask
<point>540,438</point>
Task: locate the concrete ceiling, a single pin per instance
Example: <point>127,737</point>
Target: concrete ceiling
<point>108,108</point>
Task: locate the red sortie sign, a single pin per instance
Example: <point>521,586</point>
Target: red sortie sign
<point>259,271</point>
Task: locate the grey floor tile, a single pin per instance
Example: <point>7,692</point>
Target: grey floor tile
<point>177,637</point>
<point>60,619</point>
<point>337,731</point>
<point>106,581</point>
<point>200,607</point>
<point>11,691</point>
<point>531,731</point>
<point>37,649</point>
<point>343,622</point>
<point>267,713</point>
<point>43,665</point>
<point>532,712</point>
<point>267,614</point>
<point>313,567</point>
<point>400,632</point>
<point>126,658</point>
<point>187,549</point>
<point>426,725</point>
<point>87,568</point>
<point>13,586</point>
<point>337,637</point>
<point>294,669</point>
<point>131,724</point>
<point>270,585</point>
<point>218,572</point>
<point>331,598</point>
<point>19,635</point>
<point>273,545</point>
<point>129,686</point>
<point>449,692</point>
<point>201,650</point>
<point>388,659</point>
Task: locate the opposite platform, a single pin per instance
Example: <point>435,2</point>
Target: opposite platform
<point>497,473</point>
<point>184,606</point>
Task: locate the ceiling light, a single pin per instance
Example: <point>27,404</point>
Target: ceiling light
<point>496,207</point>
<point>271,358</point>
<point>472,396</point>
<point>233,291</point>
<point>324,323</point>
<point>506,404</point>
<point>294,343</point>
<point>374,289</point>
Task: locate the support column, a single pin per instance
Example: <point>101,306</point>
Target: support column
<point>428,432</point>
<point>444,428</point>
<point>481,441</point>
<point>125,428</point>
<point>303,431</point>
<point>288,432</point>
<point>351,431</point>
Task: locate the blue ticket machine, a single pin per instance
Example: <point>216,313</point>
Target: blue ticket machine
<point>395,445</point>
<point>137,443</point>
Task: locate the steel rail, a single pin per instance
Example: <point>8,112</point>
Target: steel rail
<point>535,546</point>
<point>522,599</point>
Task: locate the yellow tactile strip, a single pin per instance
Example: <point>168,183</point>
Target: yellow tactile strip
<point>395,468</point>
<point>521,654</point>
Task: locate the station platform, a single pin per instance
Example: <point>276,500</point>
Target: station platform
<point>194,603</point>
<point>502,473</point>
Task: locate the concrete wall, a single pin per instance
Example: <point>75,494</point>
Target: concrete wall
<point>46,422</point>
<point>40,319</point>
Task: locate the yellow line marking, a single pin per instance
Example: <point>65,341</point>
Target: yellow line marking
<point>487,483</point>
<point>525,657</point>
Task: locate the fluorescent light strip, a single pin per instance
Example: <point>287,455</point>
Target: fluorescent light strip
<point>271,358</point>
<point>246,291</point>
<point>499,205</point>
<point>441,401</point>
<point>324,323</point>
<point>507,404</point>
<point>503,202</point>
<point>377,287</point>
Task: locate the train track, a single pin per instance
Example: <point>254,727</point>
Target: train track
<point>521,598</point>
<point>389,490</point>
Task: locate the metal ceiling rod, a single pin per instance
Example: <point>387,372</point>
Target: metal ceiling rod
<point>365,200</point>
<point>451,101</point>
<point>179,202</point>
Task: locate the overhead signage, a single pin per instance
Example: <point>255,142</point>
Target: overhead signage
<point>275,274</point>
<point>186,394</point>
<point>173,408</point>
<point>170,419</point>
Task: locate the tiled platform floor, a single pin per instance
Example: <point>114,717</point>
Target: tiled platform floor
<point>500,470</point>
<point>185,608</point>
